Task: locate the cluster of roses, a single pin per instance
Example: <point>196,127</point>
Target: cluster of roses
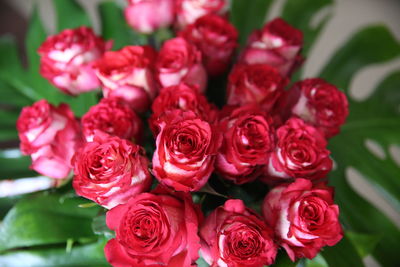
<point>264,132</point>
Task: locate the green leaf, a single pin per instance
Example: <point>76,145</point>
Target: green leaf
<point>371,45</point>
<point>36,86</point>
<point>70,15</point>
<point>318,261</point>
<point>80,255</point>
<point>364,243</point>
<point>82,103</point>
<point>342,254</point>
<point>282,260</point>
<point>376,119</point>
<point>301,13</point>
<point>202,263</point>
<point>113,25</point>
<point>14,165</point>
<point>45,220</point>
<point>248,16</point>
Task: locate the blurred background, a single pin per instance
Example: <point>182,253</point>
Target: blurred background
<point>348,16</point>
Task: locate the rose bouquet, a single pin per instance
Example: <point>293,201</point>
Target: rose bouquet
<point>183,135</point>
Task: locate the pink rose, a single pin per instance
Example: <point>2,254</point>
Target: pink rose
<point>110,170</point>
<point>216,38</point>
<point>186,150</point>
<point>188,11</point>
<point>300,153</point>
<point>235,236</point>
<point>320,104</point>
<point>255,84</point>
<point>146,16</point>
<point>185,98</point>
<point>304,217</point>
<point>154,229</point>
<point>278,44</point>
<point>51,136</point>
<point>66,59</point>
<point>179,61</point>
<point>128,74</point>
<point>248,141</point>
<point>114,118</point>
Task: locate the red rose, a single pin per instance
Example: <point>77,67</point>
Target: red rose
<point>247,143</point>
<point>186,150</point>
<point>300,153</point>
<point>185,98</point>
<point>278,44</point>
<point>66,59</point>
<point>180,61</point>
<point>109,170</point>
<point>146,16</point>
<point>154,229</point>
<point>216,38</point>
<point>128,74</point>
<point>304,217</point>
<point>51,136</point>
<point>235,236</point>
<point>259,84</point>
<point>188,11</point>
<point>319,103</point>
<point>112,117</point>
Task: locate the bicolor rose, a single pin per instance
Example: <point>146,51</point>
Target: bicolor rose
<point>154,229</point>
<point>110,170</point>
<point>128,74</point>
<point>278,44</point>
<point>113,117</point>
<point>248,140</point>
<point>66,59</point>
<point>300,153</point>
<point>216,38</point>
<point>186,149</point>
<point>255,84</point>
<point>235,236</point>
<point>180,61</point>
<point>50,135</point>
<point>146,16</point>
<point>184,97</point>
<point>320,104</point>
<point>188,11</point>
<point>304,217</point>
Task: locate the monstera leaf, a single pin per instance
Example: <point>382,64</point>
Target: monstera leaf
<point>57,230</point>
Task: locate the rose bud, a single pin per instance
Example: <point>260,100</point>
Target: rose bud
<point>51,136</point>
<point>114,118</point>
<point>110,170</point>
<point>304,217</point>
<point>248,139</point>
<point>255,84</point>
<point>146,16</point>
<point>278,44</point>
<point>216,38</point>
<point>184,97</point>
<point>154,229</point>
<point>66,59</point>
<point>233,235</point>
<point>320,104</point>
<point>188,11</point>
<point>179,61</point>
<point>128,74</point>
<point>300,153</point>
<point>186,150</point>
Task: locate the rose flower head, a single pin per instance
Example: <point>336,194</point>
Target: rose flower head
<point>154,229</point>
<point>304,217</point>
<point>66,59</point>
<point>50,135</point>
<point>110,170</point>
